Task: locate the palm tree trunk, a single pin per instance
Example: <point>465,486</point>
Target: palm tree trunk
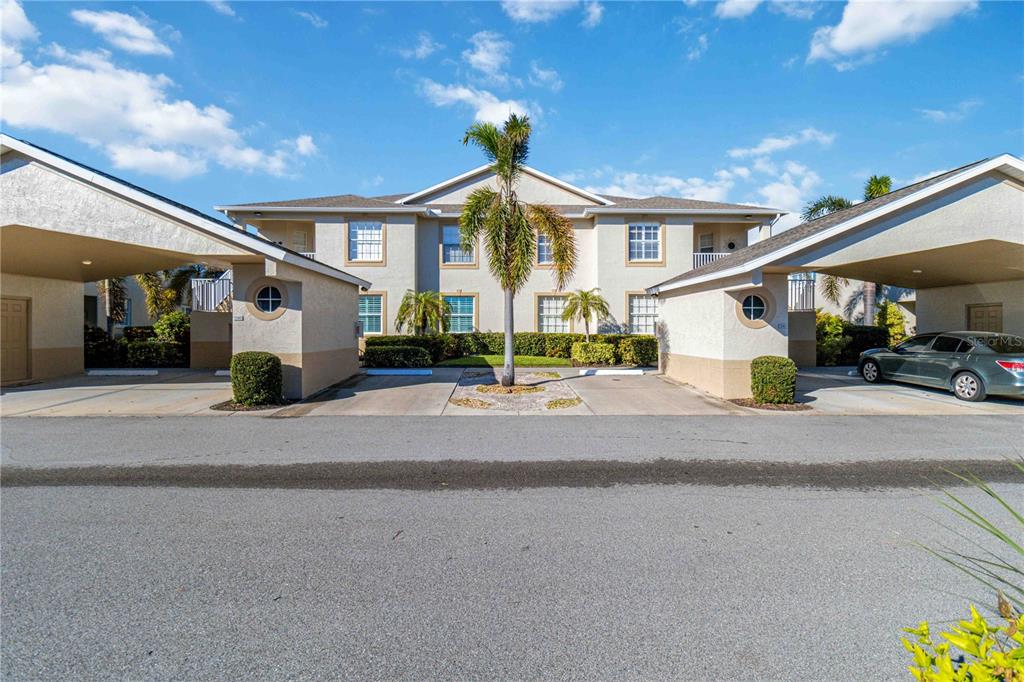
<point>508,376</point>
<point>586,328</point>
<point>870,291</point>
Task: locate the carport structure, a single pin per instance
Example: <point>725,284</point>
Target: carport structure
<point>956,238</point>
<point>63,224</point>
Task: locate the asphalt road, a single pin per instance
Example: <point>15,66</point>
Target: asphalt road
<point>627,582</point>
<point>62,442</point>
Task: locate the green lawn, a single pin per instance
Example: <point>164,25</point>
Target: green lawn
<point>499,361</point>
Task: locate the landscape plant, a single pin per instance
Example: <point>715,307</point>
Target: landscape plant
<point>584,305</point>
<point>593,353</point>
<point>396,356</point>
<point>891,317</point>
<point>172,327</point>
<point>256,379</point>
<point>829,338</point>
<point>424,312</point>
<point>508,227</point>
<point>773,380</point>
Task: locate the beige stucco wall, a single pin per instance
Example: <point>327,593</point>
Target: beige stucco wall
<point>56,321</point>
<point>210,340</point>
<point>531,189</point>
<point>315,336</point>
<point>802,342</point>
<point>945,308</point>
<point>706,343</point>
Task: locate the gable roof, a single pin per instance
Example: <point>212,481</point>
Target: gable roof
<point>480,170</point>
<point>194,218</point>
<point>809,233</point>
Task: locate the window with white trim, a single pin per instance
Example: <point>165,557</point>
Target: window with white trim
<point>706,243</point>
<point>644,242</point>
<point>452,252</point>
<point>461,313</point>
<point>643,314</point>
<point>365,241</point>
<point>544,255</point>
<point>549,315</point>
<point>300,241</point>
<point>371,313</point>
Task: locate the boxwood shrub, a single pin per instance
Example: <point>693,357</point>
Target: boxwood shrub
<point>639,350</point>
<point>256,378</point>
<point>396,356</point>
<point>593,353</point>
<point>153,354</point>
<point>773,380</point>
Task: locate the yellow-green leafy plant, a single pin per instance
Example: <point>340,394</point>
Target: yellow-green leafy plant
<point>891,317</point>
<point>974,650</point>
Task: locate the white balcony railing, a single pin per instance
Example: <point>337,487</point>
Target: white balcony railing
<point>801,294</point>
<point>311,255</point>
<point>700,259</point>
<point>211,295</point>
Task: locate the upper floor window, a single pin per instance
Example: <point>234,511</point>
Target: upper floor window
<point>644,242</point>
<point>549,315</point>
<point>452,252</point>
<point>366,241</point>
<point>706,243</point>
<point>461,313</point>
<point>544,255</point>
<point>371,313</point>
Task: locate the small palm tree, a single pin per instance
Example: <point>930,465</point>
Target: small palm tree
<point>423,312</point>
<point>583,305</point>
<point>508,226</point>
<point>168,290</point>
<point>832,285</point>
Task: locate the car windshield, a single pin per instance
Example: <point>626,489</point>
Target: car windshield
<point>1005,344</point>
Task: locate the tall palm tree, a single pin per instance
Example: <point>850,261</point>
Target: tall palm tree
<point>584,304</point>
<point>508,226</point>
<point>425,311</point>
<point>114,296</point>
<point>832,285</point>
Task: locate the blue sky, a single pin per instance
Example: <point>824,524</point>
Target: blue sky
<point>771,103</point>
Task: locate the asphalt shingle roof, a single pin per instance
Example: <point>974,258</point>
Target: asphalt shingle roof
<point>795,234</point>
<point>337,201</point>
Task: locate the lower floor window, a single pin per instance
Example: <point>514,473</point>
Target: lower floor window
<point>371,313</point>
<point>461,313</point>
<point>549,315</point>
<point>643,314</point>
<point>754,307</point>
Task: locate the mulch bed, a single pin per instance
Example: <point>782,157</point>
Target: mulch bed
<point>515,389</point>
<point>230,406</point>
<point>750,402</point>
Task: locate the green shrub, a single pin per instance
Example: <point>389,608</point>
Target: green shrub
<point>433,344</point>
<point>975,649</point>
<point>593,353</point>
<point>256,378</point>
<point>172,327</point>
<point>396,356</point>
<point>138,333</point>
<point>529,343</point>
<point>639,351</point>
<point>152,354</point>
<point>891,317</point>
<point>773,380</point>
<point>862,337</point>
<point>560,345</point>
<point>101,350</point>
<point>829,337</point>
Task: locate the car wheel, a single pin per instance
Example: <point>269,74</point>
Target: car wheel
<point>871,372</point>
<point>967,386</point>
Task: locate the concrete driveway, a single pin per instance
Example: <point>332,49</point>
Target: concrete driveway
<point>830,391</point>
<point>173,392</point>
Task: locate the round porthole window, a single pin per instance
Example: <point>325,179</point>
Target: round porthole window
<point>754,307</point>
<point>268,299</point>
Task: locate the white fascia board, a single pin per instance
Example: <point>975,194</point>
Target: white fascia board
<point>1007,161</point>
<point>320,209</point>
<point>450,214</point>
<point>486,167</point>
<point>682,211</point>
<point>208,226</point>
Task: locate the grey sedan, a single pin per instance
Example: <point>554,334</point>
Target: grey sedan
<point>970,364</point>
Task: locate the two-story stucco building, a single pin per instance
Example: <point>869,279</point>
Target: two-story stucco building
<point>411,241</point>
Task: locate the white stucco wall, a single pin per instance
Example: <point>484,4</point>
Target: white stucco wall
<point>945,308</point>
<point>531,189</point>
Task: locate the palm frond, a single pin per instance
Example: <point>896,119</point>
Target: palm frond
<point>831,287</point>
<point>558,229</point>
<point>486,138</point>
<point>828,203</point>
<point>877,186</point>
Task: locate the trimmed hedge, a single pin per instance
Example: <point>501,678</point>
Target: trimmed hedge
<point>643,349</point>
<point>138,333</point>
<point>396,356</point>
<point>773,380</point>
<point>593,353</point>
<point>256,378</point>
<point>639,350</point>
<point>103,351</point>
<point>840,342</point>
<point>172,327</point>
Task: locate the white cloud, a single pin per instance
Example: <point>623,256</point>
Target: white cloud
<point>919,178</point>
<point>735,9</point>
<point>795,9</point>
<point>425,46</point>
<point>489,55</point>
<point>123,31</point>
<point>764,165</point>
<point>222,7</point>
<point>957,113</point>
<point>698,49</point>
<point>545,78</point>
<point>867,26</point>
<point>770,145</point>
<point>304,145</point>
<point>15,27</point>
<point>486,106</point>
<point>593,12</point>
<point>535,11</point>
<point>313,18</point>
<point>134,120</point>
<point>741,171</point>
<point>632,184</point>
<point>791,190</point>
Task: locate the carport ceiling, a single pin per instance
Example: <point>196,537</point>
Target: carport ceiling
<point>58,255</point>
<point>982,261</point>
